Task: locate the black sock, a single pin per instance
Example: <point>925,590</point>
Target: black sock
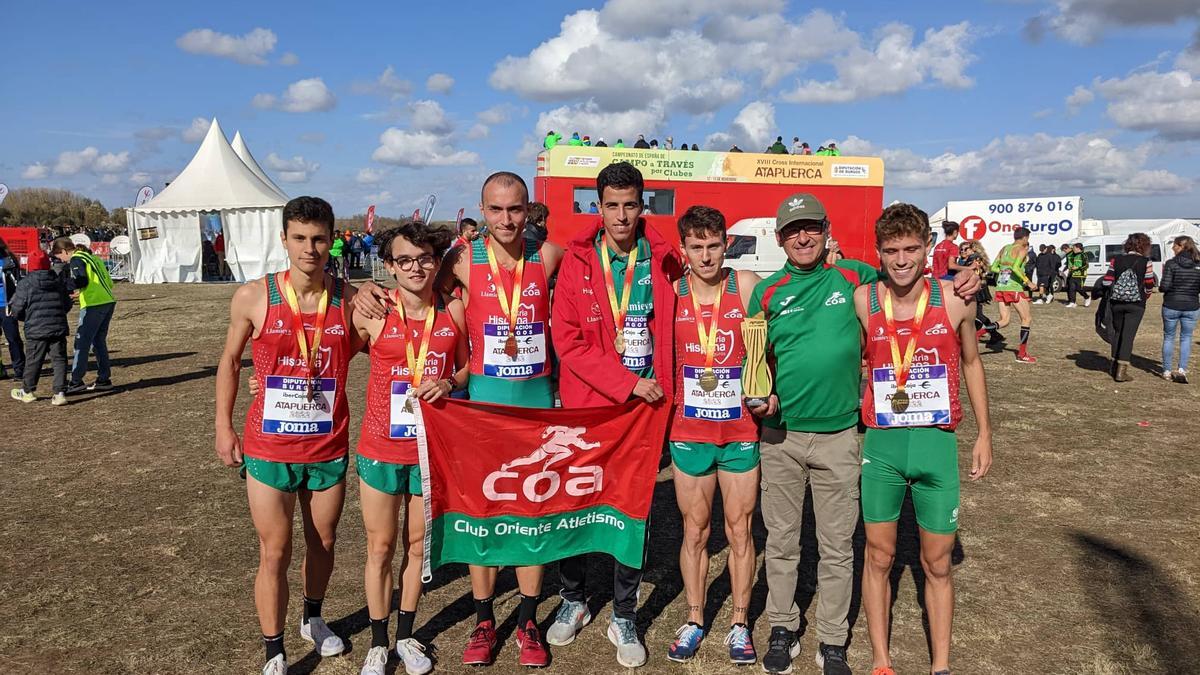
<point>379,630</point>
<point>273,645</point>
<point>312,608</point>
<point>483,610</point>
<point>528,610</point>
<point>1024,335</point>
<point>404,624</point>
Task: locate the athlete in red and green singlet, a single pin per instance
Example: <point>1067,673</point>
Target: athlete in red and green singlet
<point>713,437</point>
<point>419,350</point>
<point>504,281</point>
<point>296,436</point>
<point>918,335</point>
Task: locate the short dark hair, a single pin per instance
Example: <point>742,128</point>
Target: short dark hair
<point>1138,242</point>
<point>467,222</point>
<point>420,234</point>
<point>312,210</point>
<point>539,213</point>
<point>700,220</point>
<point>949,227</point>
<point>1020,233</point>
<point>505,178</point>
<point>901,220</point>
<point>619,176</point>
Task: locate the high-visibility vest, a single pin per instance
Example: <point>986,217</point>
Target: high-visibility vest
<point>99,287</point>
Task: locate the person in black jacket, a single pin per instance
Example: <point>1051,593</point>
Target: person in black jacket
<point>1047,271</point>
<point>1129,282</point>
<point>42,302</point>
<point>1181,305</point>
<point>10,273</point>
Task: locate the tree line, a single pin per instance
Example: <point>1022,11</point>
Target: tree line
<point>51,207</point>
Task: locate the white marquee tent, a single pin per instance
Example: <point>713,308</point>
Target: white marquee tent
<point>166,232</point>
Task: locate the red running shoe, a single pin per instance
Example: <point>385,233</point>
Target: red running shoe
<point>533,650</point>
<point>1023,357</point>
<point>980,334</point>
<point>481,646</point>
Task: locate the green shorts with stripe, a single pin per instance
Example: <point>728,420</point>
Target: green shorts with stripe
<point>704,459</point>
<point>923,458</point>
<point>388,478</point>
<point>295,476</point>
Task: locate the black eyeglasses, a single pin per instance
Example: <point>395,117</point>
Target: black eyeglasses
<point>405,263</point>
<point>811,227</point>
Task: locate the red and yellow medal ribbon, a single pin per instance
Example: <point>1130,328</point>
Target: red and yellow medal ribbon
<point>708,340</point>
<point>901,367</point>
<point>414,360</point>
<point>308,353</point>
<point>619,310</point>
<point>510,310</point>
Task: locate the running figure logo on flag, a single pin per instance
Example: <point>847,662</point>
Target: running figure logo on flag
<point>371,219</point>
<point>522,486</point>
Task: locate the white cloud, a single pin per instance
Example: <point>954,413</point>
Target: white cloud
<point>139,178</point>
<point>1085,21</point>
<point>894,66</point>
<point>497,114</point>
<point>1165,103</point>
<point>387,85</point>
<point>418,149</point>
<point>1031,164</point>
<point>752,130</point>
<point>313,137</point>
<point>196,131</point>
<point>251,48</point>
<point>1079,98</point>
<point>588,118</point>
<point>288,59</point>
<point>1043,113</point>
<point>638,17</point>
<point>429,116</point>
<point>478,131</point>
<point>380,198</point>
<point>302,96</point>
<point>294,170</point>
<point>439,83</point>
<point>90,159</point>
<point>35,171</point>
<point>368,176</point>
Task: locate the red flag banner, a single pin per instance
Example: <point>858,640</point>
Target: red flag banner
<point>416,215</point>
<point>458,223</point>
<point>524,486</point>
<point>371,219</point>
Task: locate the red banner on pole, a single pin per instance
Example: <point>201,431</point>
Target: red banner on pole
<point>416,215</point>
<point>458,223</point>
<point>524,486</point>
<point>371,219</point>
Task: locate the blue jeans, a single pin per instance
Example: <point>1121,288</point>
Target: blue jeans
<point>1186,323</point>
<point>92,335</point>
<point>16,348</point>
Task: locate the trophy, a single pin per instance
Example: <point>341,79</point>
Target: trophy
<point>756,376</point>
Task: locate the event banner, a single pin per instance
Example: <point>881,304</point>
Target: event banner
<point>714,167</point>
<point>524,486</point>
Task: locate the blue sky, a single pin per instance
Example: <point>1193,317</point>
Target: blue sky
<point>384,104</point>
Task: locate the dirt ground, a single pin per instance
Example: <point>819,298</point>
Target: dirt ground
<point>127,546</point>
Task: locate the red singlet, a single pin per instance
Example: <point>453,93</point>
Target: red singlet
<point>282,425</point>
<point>932,385</point>
<point>488,324</point>
<point>719,416</point>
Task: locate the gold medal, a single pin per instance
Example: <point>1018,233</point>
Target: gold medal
<point>312,389</point>
<point>621,308</point>
<point>619,343</point>
<point>408,405</point>
<point>902,363</point>
<point>510,346</point>
<point>510,309</point>
<point>899,401</point>
<point>708,381</point>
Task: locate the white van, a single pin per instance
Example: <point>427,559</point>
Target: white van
<point>1100,249</point>
<point>752,246</point>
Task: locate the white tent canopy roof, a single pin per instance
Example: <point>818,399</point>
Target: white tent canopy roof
<point>1163,227</point>
<point>239,146</point>
<point>215,179</point>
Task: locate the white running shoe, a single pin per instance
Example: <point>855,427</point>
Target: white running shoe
<point>631,653</point>
<point>59,399</point>
<point>1087,303</point>
<point>376,663</point>
<point>412,653</point>
<point>571,618</point>
<point>326,641</point>
<point>276,666</point>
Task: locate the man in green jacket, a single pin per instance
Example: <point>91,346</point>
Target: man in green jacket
<point>809,427</point>
<point>89,280</point>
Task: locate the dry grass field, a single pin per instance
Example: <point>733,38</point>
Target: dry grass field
<point>126,547</point>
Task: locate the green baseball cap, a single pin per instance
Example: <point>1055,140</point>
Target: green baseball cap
<point>800,206</point>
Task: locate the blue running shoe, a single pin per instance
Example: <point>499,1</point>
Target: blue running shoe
<point>687,642</point>
<point>741,645</point>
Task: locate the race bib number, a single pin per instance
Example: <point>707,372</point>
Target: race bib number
<point>530,360</point>
<point>403,423</point>
<point>928,392</point>
<point>288,412</point>
<point>639,345</point>
<point>723,404</point>
<point>1004,277</point>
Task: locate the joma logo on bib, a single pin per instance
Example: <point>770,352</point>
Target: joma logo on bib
<point>558,444</point>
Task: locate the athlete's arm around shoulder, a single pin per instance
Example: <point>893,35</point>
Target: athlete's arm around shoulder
<point>962,315</point>
<point>862,304</point>
<point>462,356</point>
<point>357,333</point>
<point>246,312</point>
<point>455,270</point>
<point>364,327</point>
<point>747,281</point>
<point>552,256</point>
